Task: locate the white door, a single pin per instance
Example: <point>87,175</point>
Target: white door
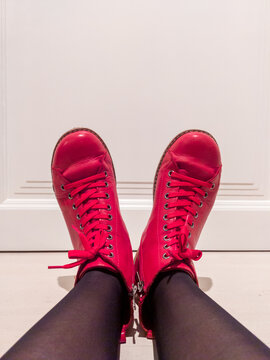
<point>136,72</point>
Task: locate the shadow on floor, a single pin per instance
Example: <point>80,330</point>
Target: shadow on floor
<point>66,282</point>
<point>205,283</point>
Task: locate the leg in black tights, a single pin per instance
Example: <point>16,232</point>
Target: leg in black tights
<point>84,325</point>
<point>189,325</point>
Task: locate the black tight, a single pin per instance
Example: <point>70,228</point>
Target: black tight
<point>85,325</point>
<point>189,325</point>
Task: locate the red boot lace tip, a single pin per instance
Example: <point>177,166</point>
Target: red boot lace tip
<point>123,337</point>
<point>149,334</point>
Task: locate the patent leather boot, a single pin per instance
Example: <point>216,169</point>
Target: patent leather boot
<point>185,187</point>
<point>85,187</point>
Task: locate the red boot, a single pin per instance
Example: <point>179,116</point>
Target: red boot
<point>185,188</point>
<point>85,187</point>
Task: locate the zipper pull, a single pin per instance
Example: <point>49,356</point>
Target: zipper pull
<point>134,289</point>
<point>139,284</point>
<point>133,294</point>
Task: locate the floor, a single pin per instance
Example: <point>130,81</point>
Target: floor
<point>238,281</point>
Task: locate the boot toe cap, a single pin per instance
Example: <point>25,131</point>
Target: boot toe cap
<point>77,146</point>
<point>198,153</point>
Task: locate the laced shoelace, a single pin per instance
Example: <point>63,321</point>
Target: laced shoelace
<point>93,216</point>
<point>184,189</point>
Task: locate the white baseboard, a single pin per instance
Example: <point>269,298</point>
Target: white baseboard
<point>37,225</point>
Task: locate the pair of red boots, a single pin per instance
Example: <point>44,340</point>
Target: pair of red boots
<point>185,188</point>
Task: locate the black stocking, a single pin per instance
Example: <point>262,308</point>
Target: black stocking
<point>85,325</point>
<point>188,325</point>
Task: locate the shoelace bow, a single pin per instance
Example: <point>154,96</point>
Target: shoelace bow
<point>185,197</point>
<point>93,237</point>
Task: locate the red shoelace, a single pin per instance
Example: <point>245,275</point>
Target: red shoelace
<point>184,190</point>
<point>93,215</point>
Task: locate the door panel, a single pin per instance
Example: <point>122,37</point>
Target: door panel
<point>136,73</point>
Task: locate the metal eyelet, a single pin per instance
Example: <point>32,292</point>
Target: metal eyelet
<point>196,215</point>
<point>170,173</point>
<point>166,246</point>
<point>107,196</point>
<point>74,207</point>
<point>205,195</point>
<point>106,174</point>
<point>78,217</point>
<point>213,186</point>
<point>110,217</point>
<point>81,227</point>
<point>166,196</point>
<point>109,207</point>
<point>62,187</point>
<point>165,256</point>
<point>111,254</point>
<point>168,184</point>
<point>189,234</point>
<point>166,206</point>
<point>165,217</point>
<point>165,227</point>
<point>106,184</point>
<point>109,228</point>
<point>109,237</point>
<point>192,225</point>
<point>165,238</point>
<point>70,197</point>
<point>201,204</point>
<point>110,247</point>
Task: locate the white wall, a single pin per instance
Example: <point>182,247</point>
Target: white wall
<point>136,72</point>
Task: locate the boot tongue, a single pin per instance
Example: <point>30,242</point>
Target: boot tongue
<point>83,169</point>
<point>190,166</point>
